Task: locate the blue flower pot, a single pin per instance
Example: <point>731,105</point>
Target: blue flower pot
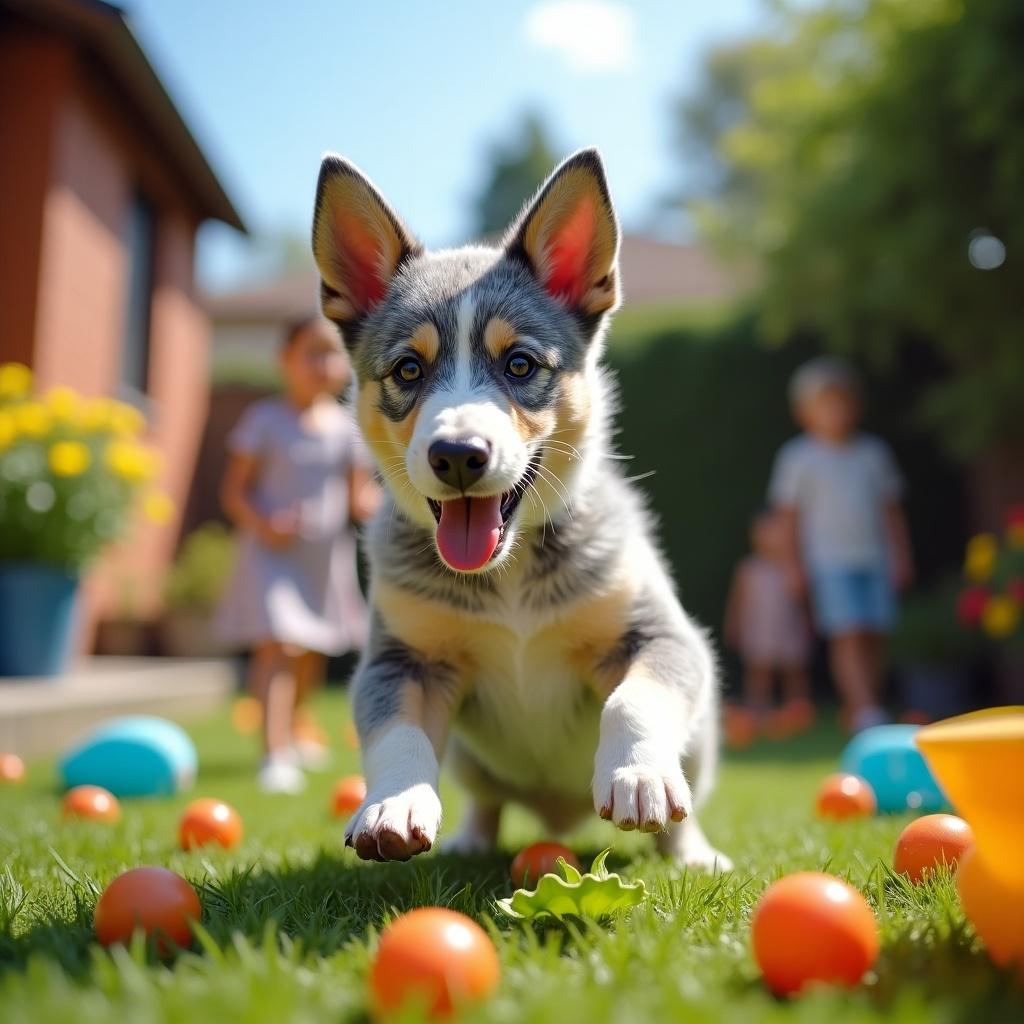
<point>37,617</point>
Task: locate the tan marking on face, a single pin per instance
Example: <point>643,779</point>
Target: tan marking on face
<point>379,431</point>
<point>532,425</point>
<point>499,336</point>
<point>425,341</point>
<point>571,416</point>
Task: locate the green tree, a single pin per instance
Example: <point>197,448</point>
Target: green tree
<point>515,170</point>
<point>869,157</point>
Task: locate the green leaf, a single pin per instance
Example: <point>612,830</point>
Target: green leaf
<point>596,894</point>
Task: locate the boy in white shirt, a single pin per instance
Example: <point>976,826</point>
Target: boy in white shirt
<point>839,492</point>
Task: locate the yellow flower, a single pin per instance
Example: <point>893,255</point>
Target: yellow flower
<point>982,552</point>
<point>157,507</point>
<point>132,462</point>
<point>69,458</point>
<point>32,419</point>
<point>125,419</point>
<point>64,403</point>
<point>1000,617</point>
<point>1015,535</point>
<point>15,380</point>
<point>8,429</point>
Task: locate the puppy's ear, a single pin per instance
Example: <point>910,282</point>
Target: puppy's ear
<point>358,242</point>
<point>569,237</point>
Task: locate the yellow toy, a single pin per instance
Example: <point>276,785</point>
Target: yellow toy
<point>979,761</point>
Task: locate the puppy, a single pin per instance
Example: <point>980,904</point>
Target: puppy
<point>523,622</point>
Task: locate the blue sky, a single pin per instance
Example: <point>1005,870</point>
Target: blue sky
<point>415,92</point>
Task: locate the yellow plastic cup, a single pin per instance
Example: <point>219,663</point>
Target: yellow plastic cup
<point>979,761</point>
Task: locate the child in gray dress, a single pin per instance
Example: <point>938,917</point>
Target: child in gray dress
<point>295,482</point>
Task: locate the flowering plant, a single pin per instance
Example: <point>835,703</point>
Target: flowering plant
<point>994,568</point>
<point>71,470</point>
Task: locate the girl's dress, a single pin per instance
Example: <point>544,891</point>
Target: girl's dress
<point>306,594</point>
<point>773,630</point>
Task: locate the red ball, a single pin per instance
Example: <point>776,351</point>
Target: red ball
<point>209,821</point>
<point>930,842</point>
<point>349,792</point>
<point>845,796</point>
<point>813,927</point>
<point>156,900</point>
<point>438,958</point>
<point>93,802</point>
<point>540,859</point>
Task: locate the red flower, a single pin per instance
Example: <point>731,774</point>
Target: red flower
<point>971,604</point>
<point>1015,515</point>
<point>1015,590</point>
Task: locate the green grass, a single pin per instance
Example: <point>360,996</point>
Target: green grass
<point>290,918</point>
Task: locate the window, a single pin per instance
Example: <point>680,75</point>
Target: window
<point>139,250</point>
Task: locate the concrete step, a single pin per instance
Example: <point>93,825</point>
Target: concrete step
<point>43,716</point>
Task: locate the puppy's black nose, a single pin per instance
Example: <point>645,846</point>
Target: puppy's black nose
<point>459,463</point>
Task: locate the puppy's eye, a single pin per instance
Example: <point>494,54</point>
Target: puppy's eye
<point>520,366</point>
<point>407,371</point>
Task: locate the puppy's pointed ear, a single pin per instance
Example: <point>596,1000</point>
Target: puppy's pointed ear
<point>569,237</point>
<point>358,242</point>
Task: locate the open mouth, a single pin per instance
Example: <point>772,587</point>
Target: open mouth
<point>471,530</point>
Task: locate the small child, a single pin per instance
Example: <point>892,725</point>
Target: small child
<point>839,492</point>
<point>766,624</point>
<point>296,481</point>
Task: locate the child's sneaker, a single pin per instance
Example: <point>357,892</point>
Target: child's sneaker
<point>867,717</point>
<point>280,773</point>
<point>311,755</point>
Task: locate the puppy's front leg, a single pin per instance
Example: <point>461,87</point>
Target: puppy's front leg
<point>646,726</point>
<point>403,707</point>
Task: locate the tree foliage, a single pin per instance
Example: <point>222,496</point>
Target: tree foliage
<point>515,170</point>
<point>855,155</point>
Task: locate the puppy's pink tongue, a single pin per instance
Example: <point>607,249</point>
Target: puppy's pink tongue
<point>469,531</point>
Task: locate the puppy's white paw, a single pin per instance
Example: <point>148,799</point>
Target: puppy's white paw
<point>395,827</point>
<point>645,795</point>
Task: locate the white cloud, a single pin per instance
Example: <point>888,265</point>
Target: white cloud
<point>591,36</point>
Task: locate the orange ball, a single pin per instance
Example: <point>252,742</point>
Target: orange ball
<point>930,842</point>
<point>845,796</point>
<point>156,900</point>
<point>437,958</point>
<point>812,927</point>
<point>994,904</point>
<point>540,859</point>
<point>348,794</point>
<point>91,802</point>
<point>209,821</point>
<point>740,727</point>
<point>12,768</point>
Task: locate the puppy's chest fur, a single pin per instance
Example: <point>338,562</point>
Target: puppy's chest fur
<point>533,651</point>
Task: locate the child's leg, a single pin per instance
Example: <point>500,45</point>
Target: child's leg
<point>855,667</point>
<point>796,684</point>
<point>757,686</point>
<point>309,674</point>
<point>272,682</point>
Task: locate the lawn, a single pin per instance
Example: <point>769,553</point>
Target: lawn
<point>290,918</point>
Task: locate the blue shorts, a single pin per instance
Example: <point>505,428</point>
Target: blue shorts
<point>848,599</point>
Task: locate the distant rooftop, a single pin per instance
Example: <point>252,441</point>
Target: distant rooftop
<point>101,30</point>
<point>653,273</point>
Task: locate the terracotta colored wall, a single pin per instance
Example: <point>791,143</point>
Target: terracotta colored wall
<point>35,70</point>
<point>96,158</point>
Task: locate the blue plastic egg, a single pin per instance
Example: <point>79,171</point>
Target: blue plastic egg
<point>133,756</point>
<point>888,759</point>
